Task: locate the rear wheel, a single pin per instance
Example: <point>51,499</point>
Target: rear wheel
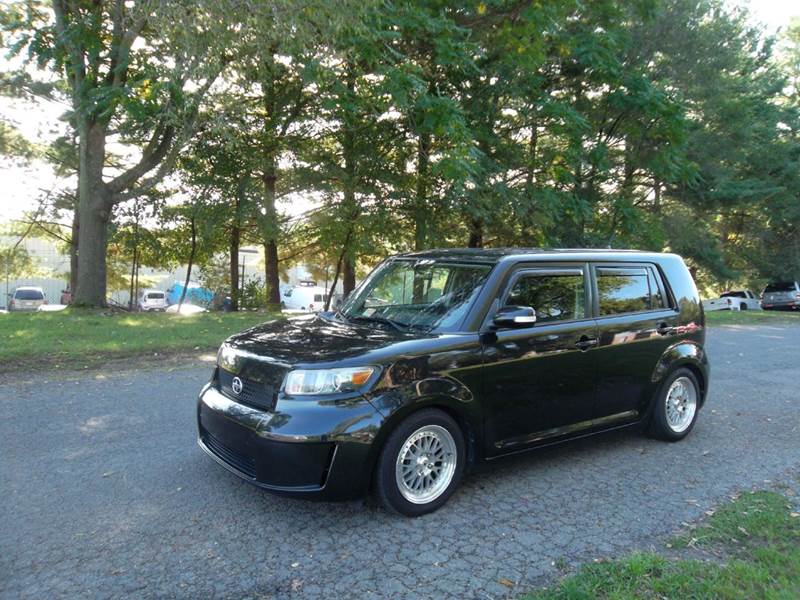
<point>676,406</point>
<point>421,463</point>
<point>743,306</point>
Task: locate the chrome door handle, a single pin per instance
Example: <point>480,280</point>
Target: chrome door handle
<point>664,329</point>
<point>585,342</point>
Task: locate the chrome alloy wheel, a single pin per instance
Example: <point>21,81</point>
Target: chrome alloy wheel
<point>681,404</point>
<point>426,464</point>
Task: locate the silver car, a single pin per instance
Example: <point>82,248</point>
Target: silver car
<point>781,294</point>
<point>27,299</point>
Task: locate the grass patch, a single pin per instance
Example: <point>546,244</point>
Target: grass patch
<point>755,545</point>
<point>82,338</point>
<point>751,317</point>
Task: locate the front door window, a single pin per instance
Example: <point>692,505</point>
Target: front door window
<point>554,297</point>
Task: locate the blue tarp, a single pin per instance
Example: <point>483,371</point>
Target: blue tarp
<point>195,294</point>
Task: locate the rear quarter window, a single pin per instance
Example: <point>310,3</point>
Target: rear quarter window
<point>622,290</point>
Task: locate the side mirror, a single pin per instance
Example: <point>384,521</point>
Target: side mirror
<point>514,316</point>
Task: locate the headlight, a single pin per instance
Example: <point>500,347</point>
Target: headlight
<point>226,358</point>
<point>326,381</point>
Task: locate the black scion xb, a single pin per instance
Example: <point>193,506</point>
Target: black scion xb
<point>445,359</point>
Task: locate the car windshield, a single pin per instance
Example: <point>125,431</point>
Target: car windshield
<point>29,295</point>
<point>423,294</point>
<point>780,287</point>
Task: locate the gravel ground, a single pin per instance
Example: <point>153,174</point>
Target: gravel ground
<point>105,494</point>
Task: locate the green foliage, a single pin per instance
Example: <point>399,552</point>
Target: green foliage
<point>13,143</point>
<point>254,294</point>
<point>17,263</point>
<point>656,124</point>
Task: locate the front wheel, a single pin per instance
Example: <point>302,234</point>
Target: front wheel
<point>676,407</point>
<point>421,463</point>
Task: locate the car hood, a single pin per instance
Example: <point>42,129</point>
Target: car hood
<point>315,339</point>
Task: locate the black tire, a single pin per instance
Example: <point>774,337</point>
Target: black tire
<point>659,423</point>
<point>743,306</point>
<point>387,490</point>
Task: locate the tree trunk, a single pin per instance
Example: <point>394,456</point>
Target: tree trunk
<point>351,207</point>
<point>94,207</point>
<point>349,276</point>
<point>270,232</point>
<point>133,275</point>
<point>136,289</point>
<point>235,238</point>
<point>421,215</point>
<point>475,234</point>
<point>338,268</point>
<point>73,254</point>
<point>530,176</point>
<point>132,298</point>
<point>272,274</point>
<point>189,265</point>
<point>657,196</point>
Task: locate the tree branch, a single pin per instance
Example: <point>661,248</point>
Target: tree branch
<point>76,57</point>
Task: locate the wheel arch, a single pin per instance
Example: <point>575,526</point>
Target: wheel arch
<point>684,354</point>
<point>453,407</point>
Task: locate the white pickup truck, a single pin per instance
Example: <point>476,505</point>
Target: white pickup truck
<point>733,300</point>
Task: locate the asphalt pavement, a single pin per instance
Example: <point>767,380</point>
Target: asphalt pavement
<point>105,494</point>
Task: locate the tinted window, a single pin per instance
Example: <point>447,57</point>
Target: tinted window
<point>624,290</point>
<point>421,293</point>
<point>554,297</point>
<point>156,296</point>
<point>657,299</point>
<point>733,295</point>
<point>787,286</point>
<point>28,295</point>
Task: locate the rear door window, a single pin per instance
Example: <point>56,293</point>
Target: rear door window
<point>622,290</point>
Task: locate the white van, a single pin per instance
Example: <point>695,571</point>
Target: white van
<point>307,297</point>
<point>150,300</point>
<point>26,298</point>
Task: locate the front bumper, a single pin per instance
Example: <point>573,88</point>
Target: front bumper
<point>304,448</point>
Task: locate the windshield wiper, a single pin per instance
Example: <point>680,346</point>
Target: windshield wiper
<point>383,320</point>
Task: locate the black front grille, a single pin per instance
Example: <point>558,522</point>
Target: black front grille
<point>241,462</point>
<point>259,394</point>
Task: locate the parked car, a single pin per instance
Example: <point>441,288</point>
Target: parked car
<point>151,300</point>
<point>27,298</point>
<point>307,296</point>
<point>781,295</point>
<point>441,361</point>
<point>734,300</point>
